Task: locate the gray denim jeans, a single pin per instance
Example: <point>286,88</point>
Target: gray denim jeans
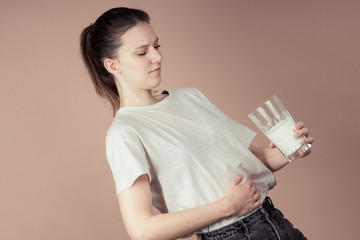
<point>267,223</point>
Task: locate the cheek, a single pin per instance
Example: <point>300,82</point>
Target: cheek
<point>135,67</point>
<point>139,64</point>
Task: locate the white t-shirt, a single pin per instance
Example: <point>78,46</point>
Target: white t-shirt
<point>188,148</point>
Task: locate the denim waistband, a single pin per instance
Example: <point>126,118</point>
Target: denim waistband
<point>240,225</point>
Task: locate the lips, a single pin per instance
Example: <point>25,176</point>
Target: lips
<point>155,70</point>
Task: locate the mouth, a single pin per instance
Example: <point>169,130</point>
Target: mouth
<point>155,70</point>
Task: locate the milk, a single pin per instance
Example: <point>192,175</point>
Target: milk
<point>282,135</point>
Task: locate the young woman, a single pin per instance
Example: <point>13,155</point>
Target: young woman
<point>176,150</point>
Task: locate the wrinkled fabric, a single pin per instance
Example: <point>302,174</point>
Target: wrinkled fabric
<point>188,148</point>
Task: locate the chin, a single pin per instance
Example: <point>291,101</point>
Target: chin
<point>155,82</point>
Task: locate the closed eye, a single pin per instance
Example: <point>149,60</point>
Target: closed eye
<point>144,53</point>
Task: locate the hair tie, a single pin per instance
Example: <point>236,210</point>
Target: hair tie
<point>91,26</point>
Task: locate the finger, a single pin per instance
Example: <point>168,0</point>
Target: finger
<point>249,181</point>
<point>308,140</point>
<point>302,132</point>
<point>257,195</point>
<point>253,188</point>
<point>298,126</point>
<point>237,179</point>
<point>257,202</point>
<point>272,145</point>
<point>306,153</point>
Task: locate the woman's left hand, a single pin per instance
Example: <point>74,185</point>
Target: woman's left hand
<point>300,131</point>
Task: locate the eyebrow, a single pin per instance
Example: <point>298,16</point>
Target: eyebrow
<point>147,45</point>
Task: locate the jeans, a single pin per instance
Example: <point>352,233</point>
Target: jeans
<point>267,223</point>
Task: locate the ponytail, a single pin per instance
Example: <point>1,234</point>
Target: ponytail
<point>103,81</point>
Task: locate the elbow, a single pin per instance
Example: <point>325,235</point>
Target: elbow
<point>140,234</point>
<point>142,229</point>
<point>137,234</point>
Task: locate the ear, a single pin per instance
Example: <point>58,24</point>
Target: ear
<point>112,65</point>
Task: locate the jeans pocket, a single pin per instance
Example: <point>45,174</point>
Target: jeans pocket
<point>286,228</point>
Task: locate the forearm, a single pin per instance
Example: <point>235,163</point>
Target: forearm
<point>179,224</point>
<point>140,222</point>
<point>271,157</point>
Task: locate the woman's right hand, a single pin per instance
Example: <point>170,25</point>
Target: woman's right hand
<point>242,198</point>
<point>142,224</point>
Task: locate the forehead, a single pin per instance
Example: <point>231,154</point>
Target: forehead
<point>141,34</point>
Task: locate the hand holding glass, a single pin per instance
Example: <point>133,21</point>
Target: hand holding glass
<point>274,120</point>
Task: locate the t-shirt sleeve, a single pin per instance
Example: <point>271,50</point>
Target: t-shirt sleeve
<point>243,133</point>
<point>127,158</point>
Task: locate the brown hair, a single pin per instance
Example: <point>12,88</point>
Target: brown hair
<point>101,40</point>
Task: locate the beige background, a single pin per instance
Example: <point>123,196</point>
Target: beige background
<point>54,179</point>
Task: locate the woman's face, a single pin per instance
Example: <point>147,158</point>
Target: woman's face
<point>139,58</point>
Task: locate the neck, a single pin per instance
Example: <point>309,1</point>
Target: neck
<point>136,98</point>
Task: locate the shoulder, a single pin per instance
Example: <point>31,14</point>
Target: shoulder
<point>191,96</point>
<point>190,92</point>
<point>120,130</point>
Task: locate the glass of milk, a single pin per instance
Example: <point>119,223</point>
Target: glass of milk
<point>274,120</point>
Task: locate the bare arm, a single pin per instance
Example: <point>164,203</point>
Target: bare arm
<point>272,157</point>
<point>136,209</point>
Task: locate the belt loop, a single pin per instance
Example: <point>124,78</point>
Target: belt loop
<point>246,229</point>
<point>269,201</point>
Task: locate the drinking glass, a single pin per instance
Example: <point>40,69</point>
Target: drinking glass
<point>275,121</point>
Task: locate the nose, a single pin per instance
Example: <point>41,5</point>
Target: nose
<point>156,55</point>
